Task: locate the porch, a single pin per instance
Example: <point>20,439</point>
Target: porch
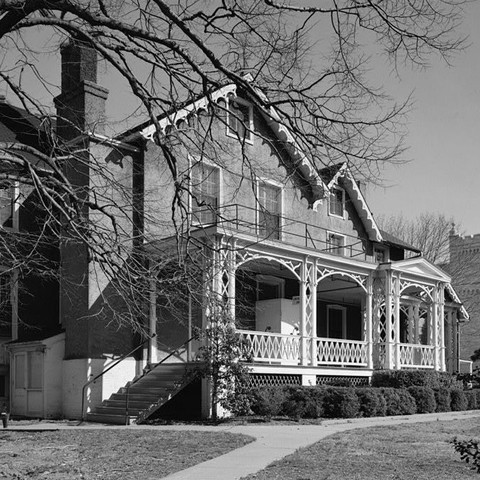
<point>280,349</point>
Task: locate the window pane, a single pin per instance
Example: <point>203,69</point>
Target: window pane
<point>7,194</point>
<point>239,119</point>
<point>336,202</point>
<point>269,211</point>
<point>205,190</point>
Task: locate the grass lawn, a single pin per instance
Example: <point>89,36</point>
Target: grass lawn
<point>108,454</point>
<point>406,452</point>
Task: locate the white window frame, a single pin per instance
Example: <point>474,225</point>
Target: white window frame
<point>193,162</point>
<point>248,138</point>
<point>344,320</point>
<point>384,251</point>
<point>341,248</point>
<point>333,214</point>
<point>274,184</point>
<point>15,207</point>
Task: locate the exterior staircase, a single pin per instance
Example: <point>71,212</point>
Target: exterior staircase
<point>137,400</point>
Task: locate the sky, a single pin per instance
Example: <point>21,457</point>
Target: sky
<point>443,175</point>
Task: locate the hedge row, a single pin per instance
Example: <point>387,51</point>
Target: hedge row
<point>349,402</point>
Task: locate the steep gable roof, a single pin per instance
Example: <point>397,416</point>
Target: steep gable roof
<point>21,127</point>
<point>331,176</point>
<point>300,163</point>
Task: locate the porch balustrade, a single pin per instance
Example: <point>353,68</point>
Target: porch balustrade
<point>417,356</point>
<point>333,351</point>
<point>272,347</point>
<point>285,349</point>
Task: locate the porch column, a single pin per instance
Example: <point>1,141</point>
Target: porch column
<point>152,323</point>
<point>396,320</point>
<point>441,325</point>
<point>435,333</point>
<point>369,322</point>
<point>231,280</point>
<point>303,314</point>
<point>313,310</point>
<point>448,342</point>
<point>388,321</point>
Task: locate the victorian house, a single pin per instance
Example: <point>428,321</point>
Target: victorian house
<point>317,291</point>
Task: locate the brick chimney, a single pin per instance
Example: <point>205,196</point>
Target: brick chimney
<point>81,104</point>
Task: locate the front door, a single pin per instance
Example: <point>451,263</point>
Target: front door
<point>27,388</point>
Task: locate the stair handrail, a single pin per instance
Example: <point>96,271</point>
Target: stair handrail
<point>94,379</point>
<point>171,354</point>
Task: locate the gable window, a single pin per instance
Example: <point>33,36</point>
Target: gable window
<point>240,120</point>
<point>335,243</point>
<point>205,193</point>
<point>380,255</point>
<point>336,321</point>
<point>269,210</point>
<point>336,202</point>
<point>7,205</point>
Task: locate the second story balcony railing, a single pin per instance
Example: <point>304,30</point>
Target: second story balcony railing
<point>264,225</point>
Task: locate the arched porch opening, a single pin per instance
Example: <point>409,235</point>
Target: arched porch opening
<point>415,316</point>
<point>267,297</point>
<point>340,308</point>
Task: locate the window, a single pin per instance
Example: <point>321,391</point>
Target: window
<point>7,205</point>
<point>336,321</point>
<point>380,255</point>
<point>5,305</point>
<point>240,120</point>
<point>269,199</point>
<point>336,203</point>
<point>205,193</point>
<point>335,243</point>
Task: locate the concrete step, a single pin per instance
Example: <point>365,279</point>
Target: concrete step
<point>110,419</point>
<point>143,403</point>
<point>133,397</point>
<point>118,410</point>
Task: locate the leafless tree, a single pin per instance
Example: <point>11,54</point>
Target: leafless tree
<point>308,67</point>
<point>428,232</point>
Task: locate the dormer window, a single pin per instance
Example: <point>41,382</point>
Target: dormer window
<point>240,120</point>
<point>205,192</point>
<point>336,203</point>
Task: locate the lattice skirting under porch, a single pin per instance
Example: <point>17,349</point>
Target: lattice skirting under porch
<point>343,380</point>
<point>274,380</point>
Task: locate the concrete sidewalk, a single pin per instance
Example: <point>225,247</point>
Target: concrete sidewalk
<point>276,442</point>
<point>272,443</point>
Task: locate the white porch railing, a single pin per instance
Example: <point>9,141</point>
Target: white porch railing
<point>272,347</point>
<point>334,351</point>
<point>285,349</point>
<point>417,356</point>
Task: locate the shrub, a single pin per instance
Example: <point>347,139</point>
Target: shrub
<point>413,378</point>
<point>267,401</point>
<point>424,399</point>
<point>341,402</point>
<point>469,452</point>
<point>458,400</point>
<point>372,402</point>
<point>471,397</point>
<point>303,402</point>
<point>399,401</point>
<point>443,399</point>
